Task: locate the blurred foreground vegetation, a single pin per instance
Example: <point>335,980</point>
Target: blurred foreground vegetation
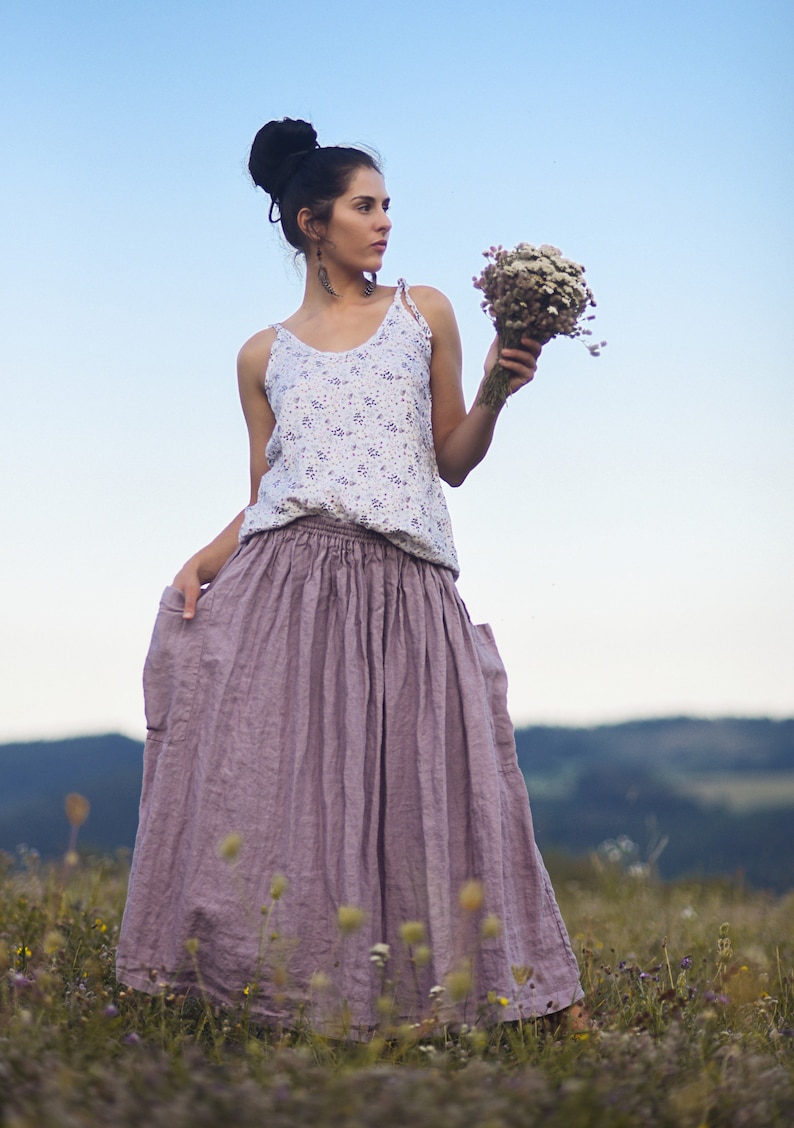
<point>691,987</point>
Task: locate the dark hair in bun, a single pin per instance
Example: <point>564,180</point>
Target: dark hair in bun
<point>297,173</point>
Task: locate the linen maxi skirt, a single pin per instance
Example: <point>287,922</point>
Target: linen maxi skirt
<point>332,717</point>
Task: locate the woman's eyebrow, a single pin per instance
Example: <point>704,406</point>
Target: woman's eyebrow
<point>370,199</point>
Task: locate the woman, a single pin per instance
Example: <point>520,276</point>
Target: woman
<point>326,727</point>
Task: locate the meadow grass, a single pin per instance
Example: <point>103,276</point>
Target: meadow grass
<point>691,987</point>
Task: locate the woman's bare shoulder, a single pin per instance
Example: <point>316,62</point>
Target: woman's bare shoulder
<point>431,297</point>
<point>253,357</point>
<point>435,307</point>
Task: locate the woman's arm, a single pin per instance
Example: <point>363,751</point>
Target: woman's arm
<point>462,438</point>
<point>208,561</point>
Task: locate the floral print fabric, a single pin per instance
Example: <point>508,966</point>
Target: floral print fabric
<point>353,437</point>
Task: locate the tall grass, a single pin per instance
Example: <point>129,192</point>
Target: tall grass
<point>691,987</point>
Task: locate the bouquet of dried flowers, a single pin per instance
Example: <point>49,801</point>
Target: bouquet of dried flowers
<point>531,292</point>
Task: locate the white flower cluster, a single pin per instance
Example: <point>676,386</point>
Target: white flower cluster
<point>532,292</point>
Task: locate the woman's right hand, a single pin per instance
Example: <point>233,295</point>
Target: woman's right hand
<point>188,580</point>
<point>204,566</point>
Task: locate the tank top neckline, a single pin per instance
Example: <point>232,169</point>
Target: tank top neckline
<point>399,290</point>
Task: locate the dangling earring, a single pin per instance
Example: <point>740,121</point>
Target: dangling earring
<point>322,274</point>
<point>369,289</point>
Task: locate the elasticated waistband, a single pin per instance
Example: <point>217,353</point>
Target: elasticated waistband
<point>330,527</point>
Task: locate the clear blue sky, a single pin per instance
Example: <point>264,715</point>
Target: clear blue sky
<point>629,536</point>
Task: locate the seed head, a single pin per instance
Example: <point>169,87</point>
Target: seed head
<point>278,886</point>
<point>229,849</point>
<point>412,932</point>
<point>350,918</point>
<point>491,927</point>
<point>422,954</point>
<point>77,809</point>
<point>471,896</point>
<point>458,983</point>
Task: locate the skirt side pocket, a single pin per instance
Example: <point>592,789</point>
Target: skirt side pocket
<point>495,677</point>
<point>170,672</point>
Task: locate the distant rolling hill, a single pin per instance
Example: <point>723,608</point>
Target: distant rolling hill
<point>36,776</point>
<point>721,792</point>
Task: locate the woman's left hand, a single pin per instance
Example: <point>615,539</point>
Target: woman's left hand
<point>522,362</point>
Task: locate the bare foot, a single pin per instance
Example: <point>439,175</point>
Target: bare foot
<point>572,1022</point>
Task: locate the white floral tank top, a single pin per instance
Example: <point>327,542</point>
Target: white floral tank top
<point>353,438</point>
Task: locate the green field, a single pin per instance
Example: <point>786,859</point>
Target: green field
<point>691,987</point>
<point>740,792</point>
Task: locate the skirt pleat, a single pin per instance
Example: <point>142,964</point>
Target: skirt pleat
<point>332,720</point>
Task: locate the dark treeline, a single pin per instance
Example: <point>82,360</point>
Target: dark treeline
<point>587,785</point>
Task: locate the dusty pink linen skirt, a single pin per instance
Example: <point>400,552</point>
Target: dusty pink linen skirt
<point>333,706</point>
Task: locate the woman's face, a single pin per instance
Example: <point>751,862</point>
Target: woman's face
<point>358,231</point>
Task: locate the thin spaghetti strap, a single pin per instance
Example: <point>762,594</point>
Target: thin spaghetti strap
<point>402,289</point>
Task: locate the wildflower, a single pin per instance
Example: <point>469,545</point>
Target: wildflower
<point>77,809</point>
<point>53,941</point>
<point>491,927</point>
<point>192,945</point>
<point>99,925</point>
<point>493,999</point>
<point>384,1006</point>
<point>278,886</point>
<point>437,991</point>
<point>422,954</point>
<point>131,1039</point>
<point>686,962</point>
<point>110,1011</point>
<point>471,896</point>
<point>320,981</point>
<point>412,932</point>
<point>350,918</point>
<point>229,849</point>
<point>379,954</point>
<point>458,983</point>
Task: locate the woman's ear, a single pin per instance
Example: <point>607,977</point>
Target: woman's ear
<point>307,225</point>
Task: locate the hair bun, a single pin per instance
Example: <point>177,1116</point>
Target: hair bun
<point>275,150</point>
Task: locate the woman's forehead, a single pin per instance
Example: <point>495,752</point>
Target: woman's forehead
<point>366,182</point>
